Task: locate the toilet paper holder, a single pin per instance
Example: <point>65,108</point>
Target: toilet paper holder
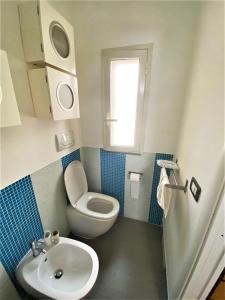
<point>130,172</point>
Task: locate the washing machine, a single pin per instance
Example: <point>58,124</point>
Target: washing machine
<point>54,93</point>
<point>48,38</point>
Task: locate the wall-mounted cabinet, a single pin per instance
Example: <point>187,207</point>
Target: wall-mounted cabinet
<point>47,36</point>
<point>55,94</point>
<point>9,112</point>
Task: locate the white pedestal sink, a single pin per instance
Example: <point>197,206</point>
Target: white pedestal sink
<point>67,271</point>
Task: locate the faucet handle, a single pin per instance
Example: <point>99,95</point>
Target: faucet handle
<point>33,242</point>
<point>40,242</point>
<point>37,247</point>
<point>36,242</point>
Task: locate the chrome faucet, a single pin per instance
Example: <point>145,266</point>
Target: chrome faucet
<point>37,247</point>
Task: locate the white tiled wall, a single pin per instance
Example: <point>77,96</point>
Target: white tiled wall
<point>139,208</point>
<point>135,209</point>
<point>91,161</point>
<point>50,193</point>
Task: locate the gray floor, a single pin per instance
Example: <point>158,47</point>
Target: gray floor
<point>130,262</point>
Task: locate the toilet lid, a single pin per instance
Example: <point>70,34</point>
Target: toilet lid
<point>75,181</point>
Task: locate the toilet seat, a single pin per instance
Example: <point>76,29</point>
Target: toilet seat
<point>82,205</point>
<point>89,214</point>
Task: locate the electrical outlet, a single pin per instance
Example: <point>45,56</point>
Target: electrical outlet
<point>195,189</point>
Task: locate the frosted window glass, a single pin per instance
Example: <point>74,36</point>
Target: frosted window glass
<point>124,77</point>
<point>65,96</point>
<point>59,39</point>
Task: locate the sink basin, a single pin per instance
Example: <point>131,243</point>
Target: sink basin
<point>67,271</point>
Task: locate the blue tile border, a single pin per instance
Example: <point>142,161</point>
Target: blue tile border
<point>155,211</point>
<point>66,160</point>
<point>113,175</point>
<point>20,222</point>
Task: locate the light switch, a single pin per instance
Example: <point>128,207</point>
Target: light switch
<point>195,189</point>
<point>64,140</point>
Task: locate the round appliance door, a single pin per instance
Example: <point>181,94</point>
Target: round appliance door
<point>59,40</point>
<point>65,96</point>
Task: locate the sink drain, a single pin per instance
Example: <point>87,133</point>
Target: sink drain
<point>58,273</point>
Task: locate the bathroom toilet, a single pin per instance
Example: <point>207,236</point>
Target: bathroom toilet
<point>89,214</point>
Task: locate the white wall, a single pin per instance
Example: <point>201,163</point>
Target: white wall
<point>7,289</point>
<point>200,149</point>
<point>211,261</point>
<point>27,148</point>
<point>169,25</point>
<point>105,24</point>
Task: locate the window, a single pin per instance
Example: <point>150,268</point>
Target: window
<point>124,86</point>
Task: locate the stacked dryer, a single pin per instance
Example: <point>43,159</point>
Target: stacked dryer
<point>48,41</point>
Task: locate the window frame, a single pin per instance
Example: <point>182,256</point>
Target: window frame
<point>144,53</point>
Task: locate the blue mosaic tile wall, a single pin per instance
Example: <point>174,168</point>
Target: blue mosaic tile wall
<point>113,175</point>
<point>19,217</point>
<point>155,211</point>
<point>19,222</point>
<point>66,160</point>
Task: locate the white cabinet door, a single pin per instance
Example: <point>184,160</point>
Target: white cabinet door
<point>55,94</point>
<point>47,36</point>
<point>8,106</point>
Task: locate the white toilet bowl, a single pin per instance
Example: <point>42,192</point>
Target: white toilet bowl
<point>89,214</point>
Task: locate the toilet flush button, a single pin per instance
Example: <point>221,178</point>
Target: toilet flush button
<point>64,140</point>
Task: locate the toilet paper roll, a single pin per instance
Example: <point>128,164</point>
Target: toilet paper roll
<point>135,185</point>
<point>135,177</point>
